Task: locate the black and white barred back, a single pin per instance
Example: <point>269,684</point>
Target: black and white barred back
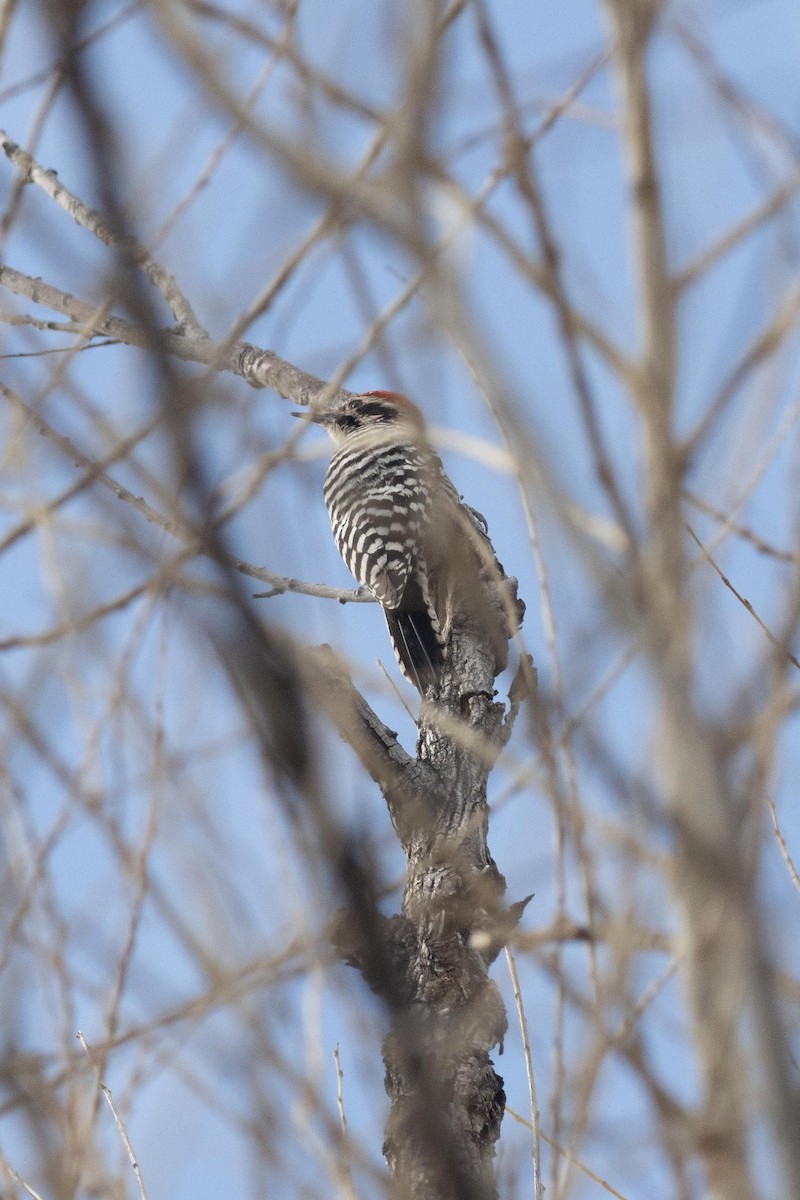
<point>379,494</point>
<point>402,528</point>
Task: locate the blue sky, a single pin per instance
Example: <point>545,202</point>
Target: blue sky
<point>215,814</point>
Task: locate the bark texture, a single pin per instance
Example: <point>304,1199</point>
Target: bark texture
<point>432,962</point>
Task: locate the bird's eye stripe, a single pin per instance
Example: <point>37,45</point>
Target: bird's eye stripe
<point>383,412</point>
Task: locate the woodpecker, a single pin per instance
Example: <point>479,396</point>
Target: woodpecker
<point>404,531</point>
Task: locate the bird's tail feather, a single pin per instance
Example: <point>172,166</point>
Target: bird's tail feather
<point>415,637</point>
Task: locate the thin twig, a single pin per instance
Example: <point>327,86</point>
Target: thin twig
<point>23,1183</point>
<point>259,368</point>
<point>787,858</point>
<point>278,583</point>
<point>736,234</point>
<point>570,1155</point>
<point>780,646</point>
<point>340,1089</point>
<point>526,1048</point>
<point>347,1148</point>
<point>742,531</point>
<point>763,346</point>
<point>123,1133</point>
<point>94,223</point>
<point>42,76</point>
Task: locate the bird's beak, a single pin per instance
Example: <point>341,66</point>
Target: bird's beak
<point>316,416</point>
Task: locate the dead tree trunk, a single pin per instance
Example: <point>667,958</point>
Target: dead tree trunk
<point>431,962</point>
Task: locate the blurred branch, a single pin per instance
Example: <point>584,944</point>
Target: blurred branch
<point>521,167</point>
<point>80,624</point>
<point>181,529</point>
<point>92,221</point>
<point>687,276</point>
<point>361,134</point>
<point>225,989</point>
<point>312,77</point>
<point>632,22</point>
<point>712,890</point>
<point>404,781</point>
<point>318,175</point>
<point>259,368</point>
<point>745,106</point>
<point>765,344</point>
<point>353,195</point>
<point>56,67</point>
<point>641,938</point>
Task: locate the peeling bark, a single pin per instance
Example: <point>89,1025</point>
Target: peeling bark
<point>431,965</point>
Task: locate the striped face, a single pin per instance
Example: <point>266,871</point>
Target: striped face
<point>378,411</point>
